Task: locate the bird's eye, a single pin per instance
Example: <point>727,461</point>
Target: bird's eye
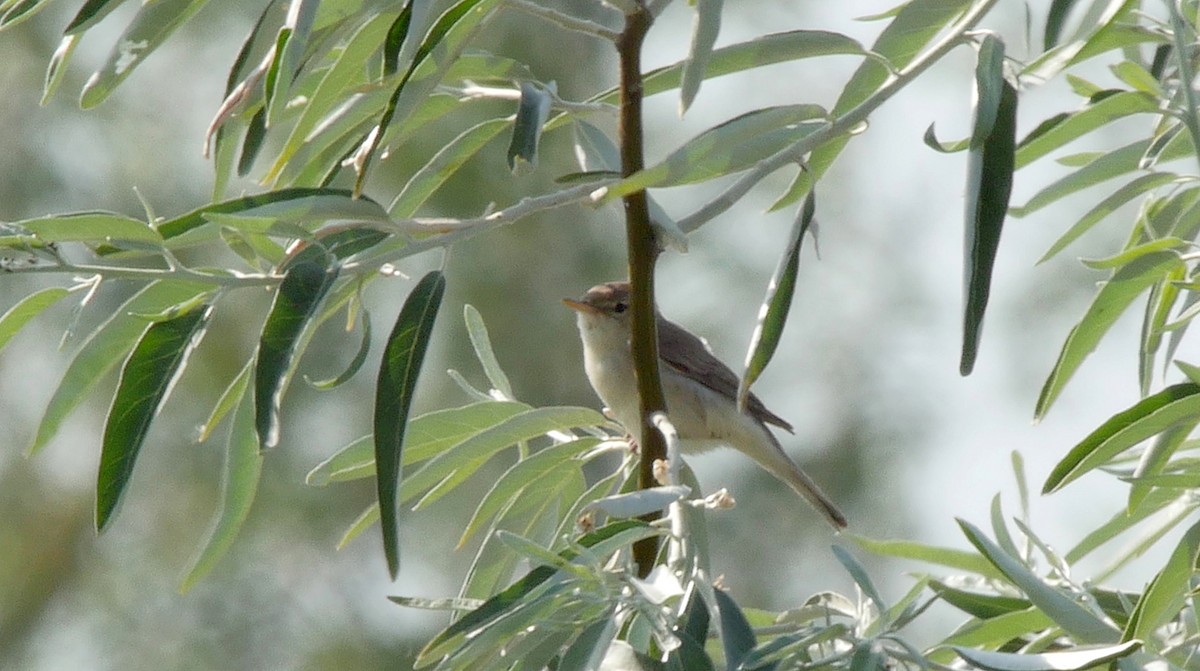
<point>620,307</point>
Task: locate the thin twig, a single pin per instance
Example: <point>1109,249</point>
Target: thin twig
<point>565,21</point>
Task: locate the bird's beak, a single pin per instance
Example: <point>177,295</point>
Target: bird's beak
<point>580,306</point>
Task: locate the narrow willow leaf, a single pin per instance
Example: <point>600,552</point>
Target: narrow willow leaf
<point>1056,18</point>
<point>1155,459</point>
<point>1112,165</point>
<point>444,164</point>
<point>989,184</point>
<point>532,112</point>
<point>1145,419</point>
<point>1122,521</point>
<point>956,559</point>
<point>1095,38</point>
<point>727,148</point>
<point>1078,124</point>
<point>15,12</point>
<point>153,24</point>
<point>588,650</point>
<point>773,314</point>
<point>1075,659</point>
<point>402,358</point>
<point>993,632</point>
<point>228,400</point>
<point>524,474</point>
<point>737,638</point>
<point>239,483</point>
<point>640,502</point>
<point>146,379</point>
<point>931,141</point>
<point>347,73</point>
<point>89,15</point>
<point>1168,591</point>
<point>440,47</point>
<point>356,363</point>
<point>295,304</point>
<point>482,344</point>
<point>705,27</point>
<point>1106,207</point>
<point>106,347</point>
<point>12,321</point>
<point>91,227</point>
<point>58,67</point>
<point>511,597</point>
<point>1117,293</point>
<point>859,574</point>
<point>1074,619</point>
<point>977,604</point>
<point>368,517</point>
<point>914,26</point>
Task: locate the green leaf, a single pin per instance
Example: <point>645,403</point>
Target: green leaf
<point>1110,166</point>
<point>773,314</point>
<point>360,357</point>
<point>1168,592</point>
<point>477,331</point>
<point>347,73</point>
<point>57,67</point>
<point>1077,659</point>
<point>1056,18</point>
<point>12,321</point>
<point>978,604</point>
<point>1096,36</point>
<point>989,183</point>
<point>993,632</point>
<point>1122,521</point>
<point>153,24</point>
<point>398,373</point>
<point>587,651</point>
<point>467,456</point>
<point>1078,124</point>
<point>520,477</point>
<point>229,398</point>
<point>1117,293</point>
<point>1156,458</point>
<point>239,483</point>
<point>859,573</point>
<point>1073,618</point>
<point>16,11</point>
<point>425,437</point>
<point>91,227</point>
<point>949,557</point>
<point>107,346</point>
<point>532,112</point>
<point>727,148</point>
<point>1148,417</point>
<point>146,380</point>
<point>1107,206</point>
<point>445,163</point>
<point>296,300</point>
<point>737,638</point>
<point>705,28</point>
<point>90,14</point>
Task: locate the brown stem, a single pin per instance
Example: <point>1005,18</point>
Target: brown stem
<point>643,252</point>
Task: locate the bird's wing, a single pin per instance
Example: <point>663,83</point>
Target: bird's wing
<point>702,365</point>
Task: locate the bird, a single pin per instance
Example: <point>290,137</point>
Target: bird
<point>700,390</point>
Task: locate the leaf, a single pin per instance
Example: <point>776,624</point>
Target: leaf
<point>1077,659</point>
<point>1107,206</point>
<point>477,331</point>
<point>89,15</point>
<point>859,573</point>
<point>304,285</point>
<point>727,148</point>
<point>107,346</point>
<point>239,483</point>
<point>1056,18</point>
<point>978,604</point>
<point>146,379</point>
<point>445,163</point>
<point>1076,621</point>
<point>12,321</point>
<point>1110,166</point>
<point>640,502</point>
<point>532,112</point>
<point>425,437</point>
<point>229,398</point>
<point>773,314</point>
<point>586,652</point>
<point>1156,458</point>
<point>1148,417</point>
<point>153,24</point>
<point>1168,591</point>
<point>1100,34</point>
<point>705,27</point>
<point>949,557</point>
<point>989,183</point>
<point>57,67</point>
<point>1076,125</point>
<point>737,638</point>
<point>91,227</point>
<point>356,363</point>
<point>1117,293</point>
<point>16,11</point>
<point>398,373</point>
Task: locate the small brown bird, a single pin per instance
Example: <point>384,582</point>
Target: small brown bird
<point>700,390</point>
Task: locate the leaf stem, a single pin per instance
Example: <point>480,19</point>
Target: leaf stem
<point>176,273</point>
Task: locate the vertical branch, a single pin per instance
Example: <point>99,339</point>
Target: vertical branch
<point>643,252</point>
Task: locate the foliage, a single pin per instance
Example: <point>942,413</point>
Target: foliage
<point>322,90</point>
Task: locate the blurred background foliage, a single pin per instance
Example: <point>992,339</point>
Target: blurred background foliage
<point>868,370</point>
